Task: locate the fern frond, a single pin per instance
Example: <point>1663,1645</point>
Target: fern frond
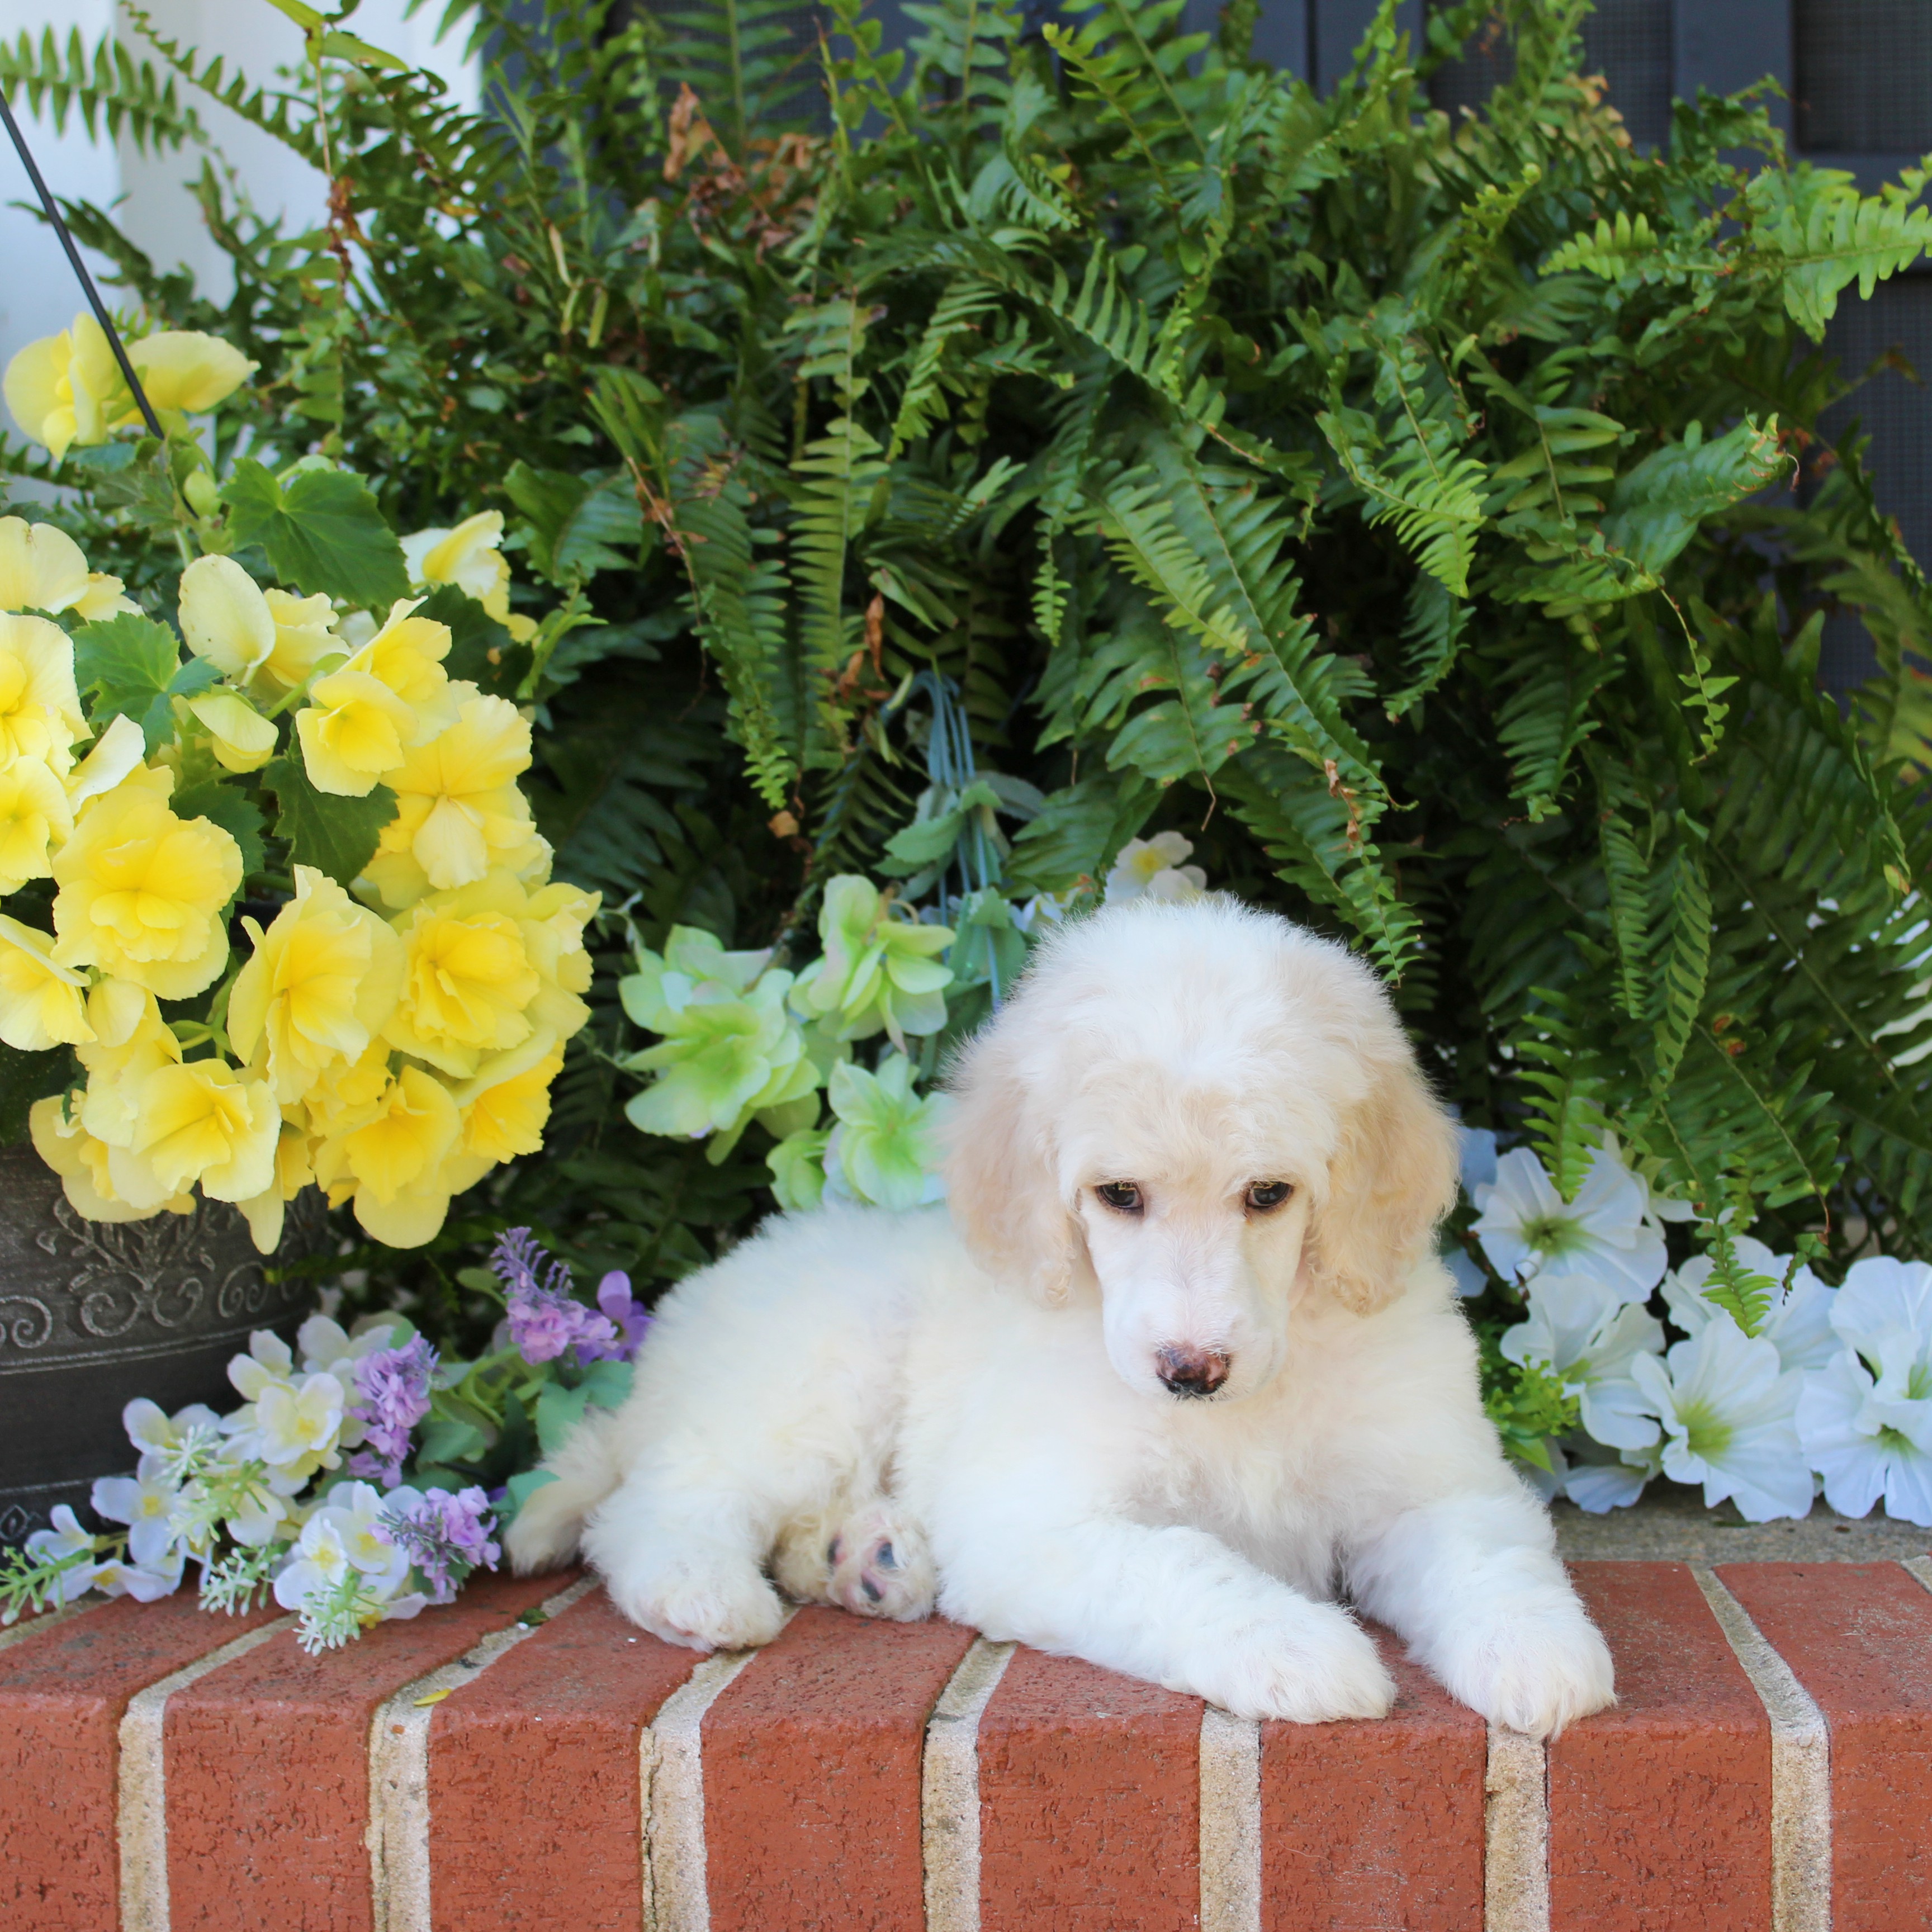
<point>109,90</point>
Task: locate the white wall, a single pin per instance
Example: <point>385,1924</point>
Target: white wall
<point>38,293</point>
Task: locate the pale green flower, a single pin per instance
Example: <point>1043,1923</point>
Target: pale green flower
<point>881,971</point>
<point>884,1149</point>
<point>798,1169</point>
<point>729,1049</point>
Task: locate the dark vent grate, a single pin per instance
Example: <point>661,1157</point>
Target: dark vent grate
<point>1896,412</point>
<point>1863,76</point>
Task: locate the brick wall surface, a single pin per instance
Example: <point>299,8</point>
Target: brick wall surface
<point>527,1759</point>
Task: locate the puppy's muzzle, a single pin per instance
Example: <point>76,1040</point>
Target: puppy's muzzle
<point>1192,1372</point>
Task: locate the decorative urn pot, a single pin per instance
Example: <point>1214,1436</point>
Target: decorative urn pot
<point>93,1313</point>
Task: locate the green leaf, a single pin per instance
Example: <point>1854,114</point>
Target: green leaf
<point>322,532</point>
<point>1078,831</point>
<point>559,1411</point>
<point>225,804</point>
<point>578,526</point>
<point>131,667</point>
<point>336,836</point>
<point>606,1384</point>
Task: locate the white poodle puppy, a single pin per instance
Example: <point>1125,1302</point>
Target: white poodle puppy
<point>1180,1370</point>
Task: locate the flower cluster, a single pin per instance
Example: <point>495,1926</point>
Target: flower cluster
<point>300,1492</point>
<point>1776,1386</point>
<point>391,1044</point>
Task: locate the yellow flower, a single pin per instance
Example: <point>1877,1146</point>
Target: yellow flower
<point>407,654</point>
<point>305,634</point>
<point>294,1169</point>
<point>81,1161</point>
<point>225,617</point>
<point>458,809</point>
<point>243,739</point>
<point>393,1163</point>
<point>348,1093</point>
<point>323,980</point>
<point>199,1122</point>
<point>39,709</point>
<point>183,369</point>
<point>40,1002</point>
<point>353,731</point>
<point>131,1041</point>
<point>116,753</point>
<point>42,568</point>
<point>506,1106</point>
<point>468,979</point>
<point>141,892</point>
<point>468,557</point>
<point>68,389</point>
<point>34,814</point>
<point>554,918</point>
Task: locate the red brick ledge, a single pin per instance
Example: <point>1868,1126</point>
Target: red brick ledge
<point>1769,1765</point>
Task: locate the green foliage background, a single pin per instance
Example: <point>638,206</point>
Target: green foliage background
<point>1430,519</point>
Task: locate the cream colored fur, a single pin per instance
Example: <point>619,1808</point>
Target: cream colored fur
<point>983,1389</point>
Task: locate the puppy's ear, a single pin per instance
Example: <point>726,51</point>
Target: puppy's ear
<point>999,1172</point>
<point>1392,1177</point>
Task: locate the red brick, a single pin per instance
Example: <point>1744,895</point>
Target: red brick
<point>1373,1823</point>
<point>1089,1801</point>
<point>1660,1808</point>
<point>811,1777</point>
<point>535,1809</point>
<point>63,1692</point>
<point>268,1767</point>
<point>1858,1636</point>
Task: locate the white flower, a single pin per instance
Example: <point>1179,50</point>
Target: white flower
<point>1477,1158</point>
<point>147,1505</point>
<point>267,1361</point>
<point>166,1442</point>
<point>1587,1336</point>
<point>1866,1418</point>
<point>346,1543</point>
<point>1798,1324</point>
<point>327,1349</point>
<point>1610,1231</point>
<point>144,1582</point>
<point>1727,1402</point>
<point>66,1538</point>
<point>1597,1488</point>
<point>294,1427</point>
<point>1151,868</point>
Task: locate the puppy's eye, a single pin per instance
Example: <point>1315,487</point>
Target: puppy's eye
<point>1266,1194</point>
<point>1121,1194</point>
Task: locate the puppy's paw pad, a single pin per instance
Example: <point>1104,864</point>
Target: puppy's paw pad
<point>880,1566</point>
<point>704,1611</point>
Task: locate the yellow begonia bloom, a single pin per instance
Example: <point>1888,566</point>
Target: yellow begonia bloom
<point>458,808</point>
<point>183,369</point>
<point>224,617</point>
<point>468,557</point>
<point>116,753</point>
<point>304,635</point>
<point>348,1093</point>
<point>34,814</point>
<point>68,389</point>
<point>353,731</point>
<point>294,1169</point>
<point>81,1161</point>
<point>42,568</point>
<point>141,891</point>
<point>506,1106</point>
<point>469,980</point>
<point>394,1162</point>
<point>200,1121</point>
<point>407,654</point>
<point>323,980</point>
<point>131,1041</point>
<point>554,920</point>
<point>41,1003</point>
<point>39,709</point>
<point>243,739</point>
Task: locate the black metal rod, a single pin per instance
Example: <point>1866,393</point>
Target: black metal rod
<point>94,302</point>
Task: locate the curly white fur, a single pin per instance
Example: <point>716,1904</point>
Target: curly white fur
<point>977,1398</point>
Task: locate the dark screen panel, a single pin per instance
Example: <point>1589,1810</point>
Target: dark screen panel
<point>1862,76</point>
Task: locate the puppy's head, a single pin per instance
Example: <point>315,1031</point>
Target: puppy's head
<point>1208,1115</point>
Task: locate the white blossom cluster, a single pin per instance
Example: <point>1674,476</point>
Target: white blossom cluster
<point>1833,1390</point>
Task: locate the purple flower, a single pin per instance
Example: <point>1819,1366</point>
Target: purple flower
<point>545,1317</point>
<point>447,1536</point>
<point>393,1385</point>
<point>627,1317</point>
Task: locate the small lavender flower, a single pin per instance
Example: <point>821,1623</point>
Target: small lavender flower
<point>447,1536</point>
<point>545,1317</point>
<point>627,1316</point>
<point>394,1386</point>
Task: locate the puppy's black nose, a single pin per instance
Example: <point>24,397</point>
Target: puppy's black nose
<point>1192,1372</point>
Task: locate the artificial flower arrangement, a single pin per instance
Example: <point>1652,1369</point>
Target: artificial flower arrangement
<point>300,1494</point>
<point>1778,1386</point>
<point>276,910</point>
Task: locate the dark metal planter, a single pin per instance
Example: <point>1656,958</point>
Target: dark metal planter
<point>93,1313</point>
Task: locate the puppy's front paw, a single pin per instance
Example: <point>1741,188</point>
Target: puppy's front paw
<point>1309,1667</point>
<point>880,1567</point>
<point>700,1599</point>
<point>1538,1672</point>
